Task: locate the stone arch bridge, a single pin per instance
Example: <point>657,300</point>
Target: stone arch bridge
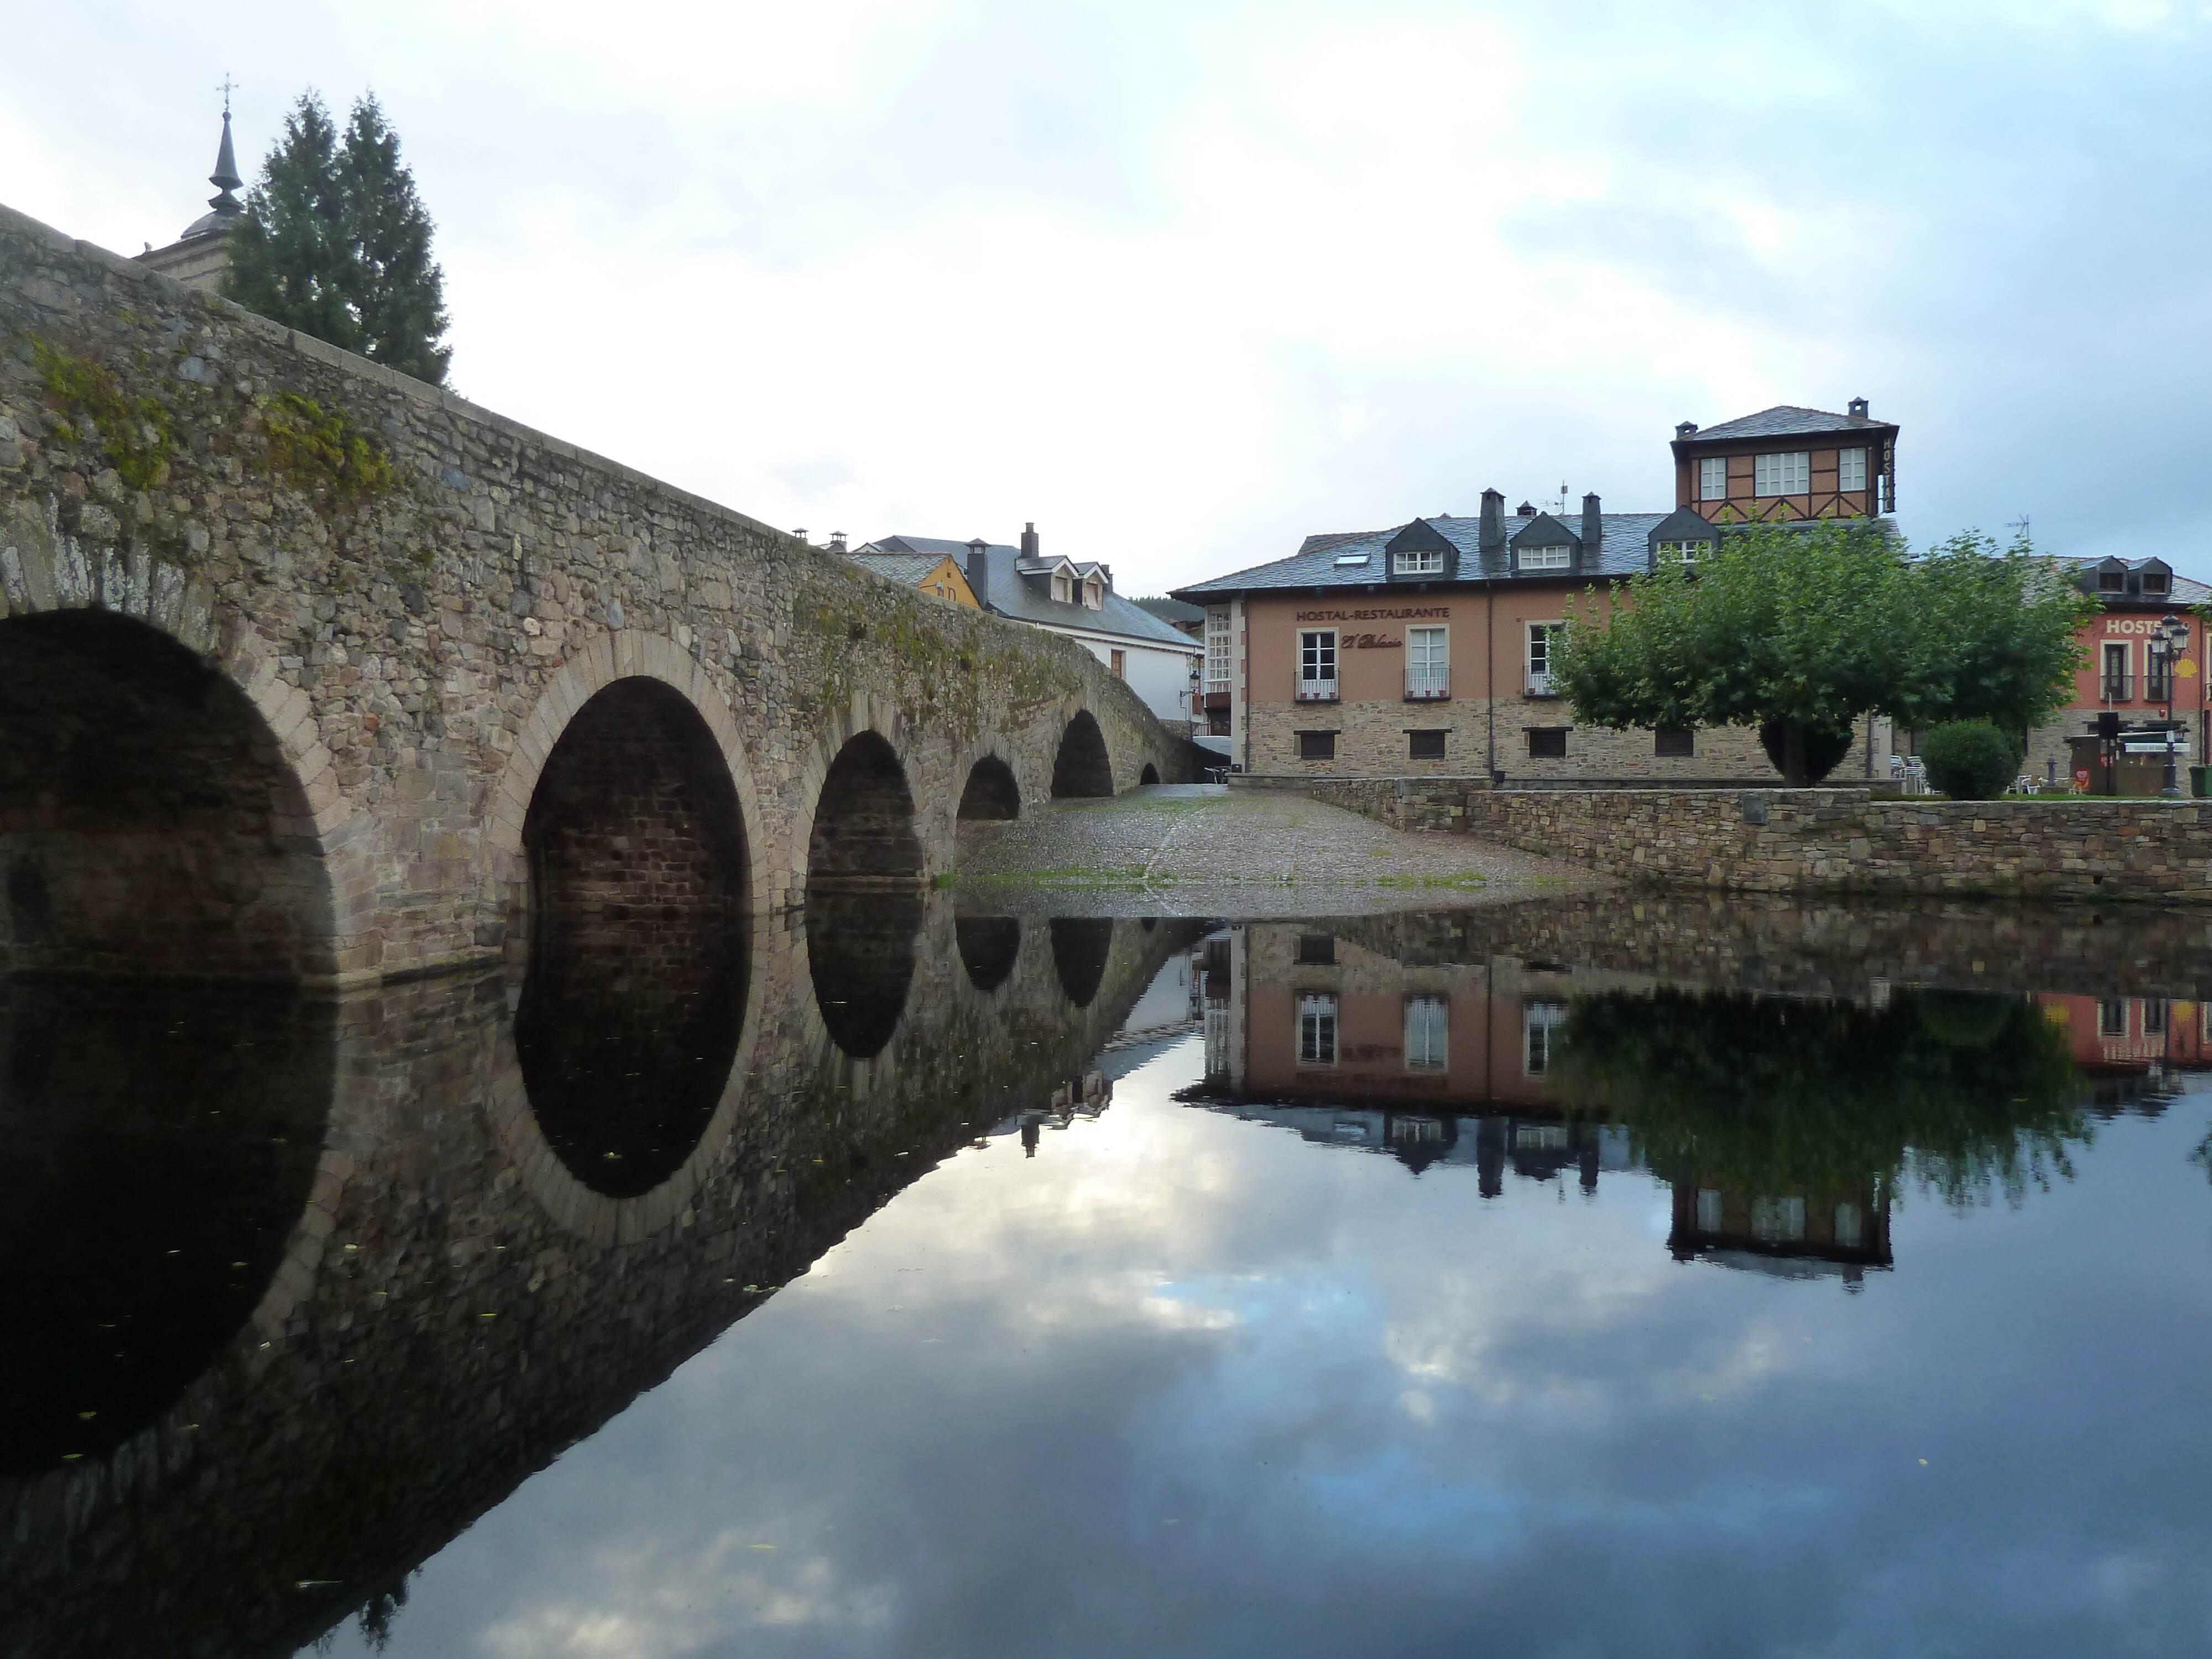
<point>308,670</point>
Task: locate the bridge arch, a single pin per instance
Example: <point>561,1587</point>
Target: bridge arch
<point>1080,948</point>
<point>1149,774</point>
<point>990,946</point>
<point>991,792</point>
<point>1081,767</point>
<point>176,804</point>
<point>859,826</point>
<point>717,815</point>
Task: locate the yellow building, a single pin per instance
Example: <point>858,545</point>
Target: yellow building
<point>933,572</point>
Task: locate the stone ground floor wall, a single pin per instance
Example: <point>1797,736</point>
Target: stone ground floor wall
<point>1820,841</point>
<point>1373,740</point>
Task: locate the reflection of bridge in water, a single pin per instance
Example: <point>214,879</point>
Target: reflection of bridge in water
<point>297,1290</point>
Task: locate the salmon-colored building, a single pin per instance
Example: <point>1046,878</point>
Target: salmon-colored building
<point>2142,671</point>
<point>1427,648</point>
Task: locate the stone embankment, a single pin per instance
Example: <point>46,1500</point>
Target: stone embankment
<point>1817,840</point>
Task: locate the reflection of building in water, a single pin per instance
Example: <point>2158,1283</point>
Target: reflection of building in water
<point>1085,1096</point>
<point>2132,1049</point>
<point>1845,1231</point>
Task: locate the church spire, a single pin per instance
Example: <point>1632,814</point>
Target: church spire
<point>225,177</point>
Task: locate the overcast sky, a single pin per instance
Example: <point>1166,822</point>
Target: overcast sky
<point>1183,282</point>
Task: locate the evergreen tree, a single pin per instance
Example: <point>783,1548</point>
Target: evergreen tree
<point>334,242</point>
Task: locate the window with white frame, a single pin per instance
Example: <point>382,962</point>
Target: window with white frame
<point>1317,664</point>
<point>1428,665</point>
<point>1546,558</point>
<point>2111,1016</point>
<point>1541,635</point>
<point>1217,650</point>
<point>1420,562</point>
<point>1317,1030</point>
<point>2153,1016</point>
<point>1217,1039</point>
<point>1682,552</point>
<point>1851,469</point>
<point>1539,1021</point>
<point>1428,1028</point>
<point>1712,479</point>
<point>1063,587</point>
<point>1789,473</point>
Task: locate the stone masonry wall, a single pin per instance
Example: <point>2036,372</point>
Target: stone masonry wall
<point>416,595</point>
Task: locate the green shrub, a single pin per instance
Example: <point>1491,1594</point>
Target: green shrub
<point>1970,760</point>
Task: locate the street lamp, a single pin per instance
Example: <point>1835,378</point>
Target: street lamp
<point>2173,635</point>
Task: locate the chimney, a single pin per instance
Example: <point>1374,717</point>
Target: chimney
<point>1526,510</point>
<point>1029,541</point>
<point>1685,430</point>
<point>1593,523</point>
<point>979,569</point>
<point>1493,521</point>
<point>1857,409</point>
<point>1106,574</point>
<point>801,533</point>
<point>836,541</point>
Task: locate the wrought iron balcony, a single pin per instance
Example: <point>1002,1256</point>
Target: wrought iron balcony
<point>2119,688</point>
<point>1316,691</point>
<point>1425,683</point>
<point>1540,685</point>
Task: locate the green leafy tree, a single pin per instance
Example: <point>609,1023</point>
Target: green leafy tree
<point>1805,629</point>
<point>335,242</point>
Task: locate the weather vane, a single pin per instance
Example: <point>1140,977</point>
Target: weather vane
<point>228,87</point>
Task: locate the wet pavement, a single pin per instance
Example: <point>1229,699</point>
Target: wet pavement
<point>1198,849</point>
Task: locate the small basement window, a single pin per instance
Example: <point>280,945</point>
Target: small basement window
<point>1316,745</point>
<point>1547,743</point>
<point>1676,743</point>
<point>1425,745</point>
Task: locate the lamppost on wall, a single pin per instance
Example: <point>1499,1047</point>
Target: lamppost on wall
<point>2173,637</point>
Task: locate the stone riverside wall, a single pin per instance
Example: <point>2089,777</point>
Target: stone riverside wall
<point>454,1307</point>
<point>1819,840</point>
<point>382,606</point>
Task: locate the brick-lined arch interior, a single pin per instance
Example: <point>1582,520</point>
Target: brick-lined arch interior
<point>864,834</point>
<point>991,792</point>
<point>1081,767</point>
<point>150,818</point>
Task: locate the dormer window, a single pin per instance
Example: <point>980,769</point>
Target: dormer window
<point>1685,552</point>
<point>2154,581</point>
<point>1063,587</point>
<point>1789,473</point>
<point>2112,581</point>
<point>1421,561</point>
<point>1094,596</point>
<point>1547,558</point>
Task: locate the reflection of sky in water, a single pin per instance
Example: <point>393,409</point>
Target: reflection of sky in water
<point>1184,1384</point>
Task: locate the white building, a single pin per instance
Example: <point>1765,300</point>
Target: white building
<point>1021,583</point>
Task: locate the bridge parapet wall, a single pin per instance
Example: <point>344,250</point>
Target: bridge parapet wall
<point>416,595</point>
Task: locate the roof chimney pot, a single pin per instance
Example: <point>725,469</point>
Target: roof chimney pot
<point>1857,408</point>
<point>1593,523</point>
<point>1685,429</point>
<point>1493,520</point>
<point>1029,540</point>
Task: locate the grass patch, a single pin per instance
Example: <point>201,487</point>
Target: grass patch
<point>1466,882</point>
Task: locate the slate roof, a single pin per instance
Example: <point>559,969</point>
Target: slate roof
<point>1170,610</point>
<point>907,567</point>
<point>1788,421</point>
<point>1624,550</point>
<point>1028,598</point>
<point>2182,590</point>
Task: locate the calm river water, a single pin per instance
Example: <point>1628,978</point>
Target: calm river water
<point>1582,1277</point>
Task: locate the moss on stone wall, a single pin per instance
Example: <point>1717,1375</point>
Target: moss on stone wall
<point>134,434</point>
<point>323,451</point>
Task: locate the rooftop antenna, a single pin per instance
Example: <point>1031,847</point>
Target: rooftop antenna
<point>1563,496</point>
<point>2021,525</point>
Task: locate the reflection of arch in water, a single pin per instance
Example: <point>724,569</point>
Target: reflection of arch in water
<point>863,834</point>
<point>859,954</point>
<point>992,793</point>
<point>163,826</point>
<point>1149,774</point>
<point>1082,767</point>
<point>989,946</point>
<point>163,1143</point>
<point>1081,946</point>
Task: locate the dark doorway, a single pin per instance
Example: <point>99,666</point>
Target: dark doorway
<point>864,835</point>
<point>1081,769</point>
<point>992,793</point>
